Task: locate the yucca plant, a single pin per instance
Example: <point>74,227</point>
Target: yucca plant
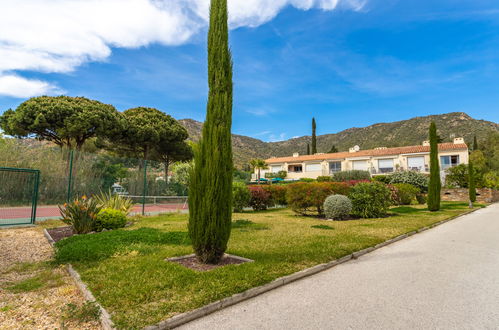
<point>114,201</point>
<point>80,214</point>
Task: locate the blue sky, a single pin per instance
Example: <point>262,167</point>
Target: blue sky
<point>381,61</point>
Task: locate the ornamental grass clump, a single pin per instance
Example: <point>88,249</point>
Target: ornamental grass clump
<point>337,207</point>
<point>114,201</point>
<point>80,214</point>
<point>370,200</point>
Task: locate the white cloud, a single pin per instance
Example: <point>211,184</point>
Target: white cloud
<point>60,35</point>
<point>15,86</point>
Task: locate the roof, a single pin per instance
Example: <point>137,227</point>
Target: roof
<point>369,153</point>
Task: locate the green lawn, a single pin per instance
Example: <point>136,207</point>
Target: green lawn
<point>127,272</point>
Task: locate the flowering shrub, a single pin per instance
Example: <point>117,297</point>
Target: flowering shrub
<point>417,179</point>
<point>337,207</point>
<point>370,200</point>
<point>394,194</point>
<point>80,214</point>
<point>260,199</point>
<point>352,183</point>
<point>308,198</point>
<point>325,178</point>
<point>109,219</point>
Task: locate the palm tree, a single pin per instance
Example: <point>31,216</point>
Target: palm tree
<point>258,164</point>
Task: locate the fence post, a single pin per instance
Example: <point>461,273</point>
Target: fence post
<point>144,191</point>
<point>34,201</point>
<point>70,178</point>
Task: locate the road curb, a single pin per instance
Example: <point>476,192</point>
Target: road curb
<point>105,318</point>
<point>187,317</point>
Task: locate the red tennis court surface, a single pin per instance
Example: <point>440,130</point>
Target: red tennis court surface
<point>52,211</point>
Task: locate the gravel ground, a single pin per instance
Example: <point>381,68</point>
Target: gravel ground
<point>23,252</point>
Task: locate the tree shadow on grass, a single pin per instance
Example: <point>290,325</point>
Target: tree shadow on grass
<point>407,210</point>
<point>97,247</point>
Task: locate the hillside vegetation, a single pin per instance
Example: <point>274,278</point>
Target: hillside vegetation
<point>401,133</point>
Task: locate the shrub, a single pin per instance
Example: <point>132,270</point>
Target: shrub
<point>421,198</point>
<point>406,193</point>
<point>370,200</point>
<point>351,175</point>
<point>352,183</point>
<point>382,178</point>
<point>337,207</point>
<point>491,179</point>
<point>277,194</point>
<point>325,178</point>
<point>240,196</point>
<point>394,194</point>
<point>307,180</point>
<point>260,199</point>
<point>114,201</point>
<point>308,198</point>
<point>414,178</point>
<point>80,214</point>
<point>109,219</point>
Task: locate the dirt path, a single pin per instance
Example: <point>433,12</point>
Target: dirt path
<point>34,293</point>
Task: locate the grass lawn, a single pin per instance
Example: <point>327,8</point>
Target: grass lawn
<point>126,271</point>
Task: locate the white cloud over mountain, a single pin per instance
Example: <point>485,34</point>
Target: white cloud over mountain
<point>59,35</point>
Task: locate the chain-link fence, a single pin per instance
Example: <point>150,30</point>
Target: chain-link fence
<point>67,174</point>
<point>18,196</point>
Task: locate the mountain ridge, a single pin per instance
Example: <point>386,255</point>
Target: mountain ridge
<point>386,134</point>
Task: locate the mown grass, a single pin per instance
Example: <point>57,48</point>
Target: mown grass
<point>127,272</point>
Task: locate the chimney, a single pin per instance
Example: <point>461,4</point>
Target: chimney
<point>296,154</point>
<point>426,143</point>
<point>354,149</point>
<point>459,140</point>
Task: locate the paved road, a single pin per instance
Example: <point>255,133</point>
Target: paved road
<point>444,278</point>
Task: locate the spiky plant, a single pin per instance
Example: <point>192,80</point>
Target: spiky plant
<point>435,185</point>
<point>210,193</point>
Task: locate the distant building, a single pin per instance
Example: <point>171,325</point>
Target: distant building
<point>377,161</point>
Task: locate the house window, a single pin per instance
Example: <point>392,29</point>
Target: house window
<point>416,164</point>
<point>313,167</point>
<point>360,165</point>
<point>275,168</point>
<point>385,165</point>
<point>449,161</point>
<point>334,167</point>
<point>295,168</point>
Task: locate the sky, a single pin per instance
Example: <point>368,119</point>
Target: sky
<point>348,63</point>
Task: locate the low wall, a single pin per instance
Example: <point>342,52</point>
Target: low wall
<point>461,195</point>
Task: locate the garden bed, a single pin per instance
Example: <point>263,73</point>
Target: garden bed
<point>127,272</point>
<point>191,261</point>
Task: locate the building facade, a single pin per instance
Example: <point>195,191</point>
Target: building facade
<point>377,161</point>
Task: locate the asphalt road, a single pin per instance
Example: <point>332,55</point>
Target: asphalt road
<point>443,278</point>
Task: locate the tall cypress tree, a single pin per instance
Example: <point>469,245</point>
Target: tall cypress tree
<point>210,193</point>
<point>475,143</point>
<point>471,182</point>
<point>314,137</point>
<point>435,184</point>
<point>308,149</point>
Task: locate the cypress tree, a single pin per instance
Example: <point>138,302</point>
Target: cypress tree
<point>314,137</point>
<point>308,149</point>
<point>435,184</point>
<point>475,143</point>
<point>210,193</point>
<point>471,182</point>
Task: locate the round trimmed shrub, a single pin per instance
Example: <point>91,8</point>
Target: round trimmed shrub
<point>337,207</point>
<point>240,196</point>
<point>109,219</point>
<point>370,200</point>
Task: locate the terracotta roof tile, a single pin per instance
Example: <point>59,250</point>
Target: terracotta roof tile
<point>368,153</point>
